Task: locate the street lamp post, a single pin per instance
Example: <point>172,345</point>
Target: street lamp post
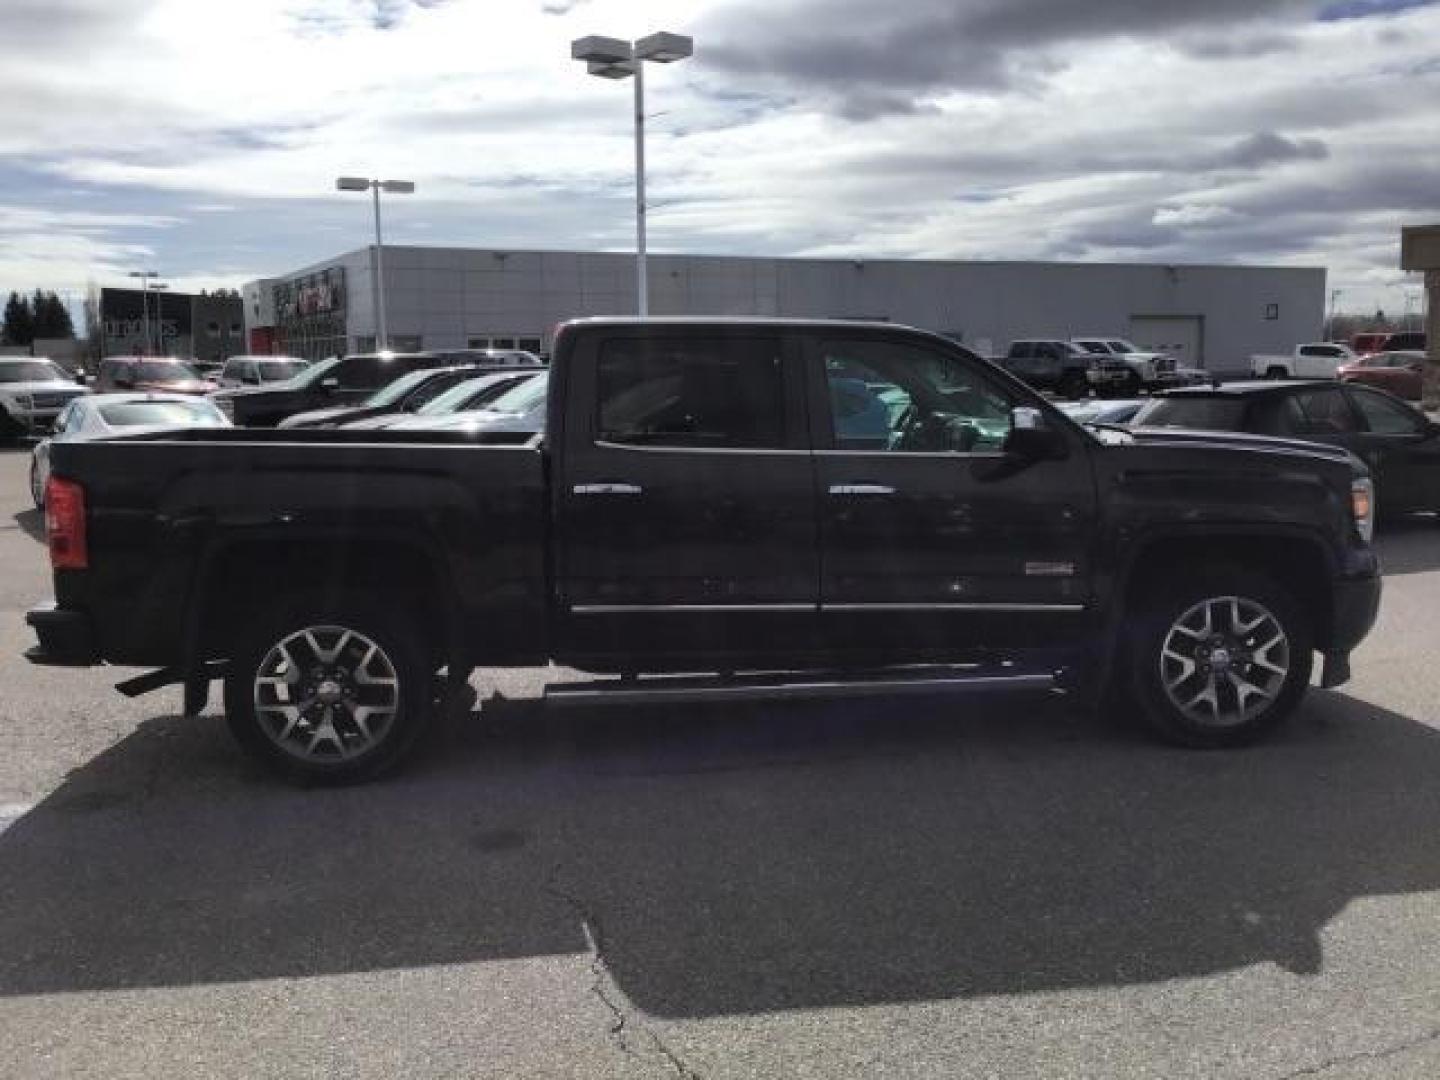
<point>158,289</point>
<point>1334,313</point>
<point>377,276</point>
<point>145,276</point>
<point>611,58</point>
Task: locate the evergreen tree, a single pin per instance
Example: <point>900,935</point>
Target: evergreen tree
<point>19,324</point>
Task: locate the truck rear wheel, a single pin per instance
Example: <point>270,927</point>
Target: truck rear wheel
<point>327,695</point>
<point>1220,660</point>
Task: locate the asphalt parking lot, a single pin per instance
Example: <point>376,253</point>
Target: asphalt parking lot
<point>911,888</point>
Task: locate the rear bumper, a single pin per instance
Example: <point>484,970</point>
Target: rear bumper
<point>66,638</point>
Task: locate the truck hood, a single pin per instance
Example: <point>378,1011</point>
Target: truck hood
<point>1240,440</point>
<point>44,386</point>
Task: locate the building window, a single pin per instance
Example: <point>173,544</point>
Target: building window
<point>213,329</point>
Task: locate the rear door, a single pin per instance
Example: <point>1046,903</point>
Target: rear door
<point>931,542</point>
<point>686,509</point>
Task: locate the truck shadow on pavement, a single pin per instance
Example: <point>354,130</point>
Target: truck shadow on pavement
<point>729,861</point>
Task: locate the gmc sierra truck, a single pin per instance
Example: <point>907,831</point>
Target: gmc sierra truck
<point>715,510</point>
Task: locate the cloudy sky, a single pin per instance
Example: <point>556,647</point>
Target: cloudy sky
<point>202,137</point>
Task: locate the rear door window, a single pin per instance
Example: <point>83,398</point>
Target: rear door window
<point>693,393</point>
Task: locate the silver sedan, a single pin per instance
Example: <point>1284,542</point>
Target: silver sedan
<point>101,415</point>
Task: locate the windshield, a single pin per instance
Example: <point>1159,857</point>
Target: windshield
<point>523,398</point>
<point>472,393</point>
<point>1122,346</point>
<point>396,391</point>
<point>164,371</point>
<point>280,370</point>
<point>147,413</point>
<point>12,371</point>
<point>1094,347</point>
<point>310,374</point>
<point>1193,411</point>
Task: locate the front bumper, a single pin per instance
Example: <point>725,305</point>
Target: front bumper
<point>1356,604</point>
<point>66,638</point>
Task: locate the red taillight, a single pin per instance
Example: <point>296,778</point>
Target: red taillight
<point>65,524</point>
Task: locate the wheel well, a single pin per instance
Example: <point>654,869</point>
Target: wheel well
<point>1297,565</point>
<point>242,576</point>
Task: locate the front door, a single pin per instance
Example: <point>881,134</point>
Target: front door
<point>933,540</point>
<point>686,513</point>
<point>1403,449</point>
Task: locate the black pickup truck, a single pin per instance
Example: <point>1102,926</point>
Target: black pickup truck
<point>716,510</point>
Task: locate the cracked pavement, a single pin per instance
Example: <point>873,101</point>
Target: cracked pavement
<point>910,888</point>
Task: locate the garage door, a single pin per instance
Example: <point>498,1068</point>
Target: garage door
<point>1182,336</point>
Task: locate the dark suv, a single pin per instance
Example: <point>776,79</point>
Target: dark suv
<point>339,381</point>
<point>1064,367</point>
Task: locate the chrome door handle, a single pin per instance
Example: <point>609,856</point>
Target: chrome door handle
<point>861,489</point>
<point>608,489</point>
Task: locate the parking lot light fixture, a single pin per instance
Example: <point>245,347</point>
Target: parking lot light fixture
<point>377,262</point>
<point>613,58</point>
<point>146,277</point>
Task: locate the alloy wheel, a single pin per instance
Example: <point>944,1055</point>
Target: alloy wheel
<point>326,694</point>
<point>1224,661</point>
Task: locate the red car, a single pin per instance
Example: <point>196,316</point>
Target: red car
<point>1365,344</point>
<point>1398,372</point>
<point>149,373</point>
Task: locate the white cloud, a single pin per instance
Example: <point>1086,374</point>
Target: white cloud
<point>233,119</point>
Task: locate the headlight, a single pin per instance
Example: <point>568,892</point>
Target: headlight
<point>1362,507</point>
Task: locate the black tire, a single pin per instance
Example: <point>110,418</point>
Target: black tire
<point>349,679</point>
<point>1074,385</point>
<point>1132,385</point>
<point>1276,373</point>
<point>1248,659</point>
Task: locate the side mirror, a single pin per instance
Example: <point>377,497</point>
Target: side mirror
<point>1031,438</point>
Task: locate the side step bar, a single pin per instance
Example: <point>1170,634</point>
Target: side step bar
<point>791,686</point>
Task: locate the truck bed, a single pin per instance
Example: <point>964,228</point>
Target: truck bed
<point>168,511</point>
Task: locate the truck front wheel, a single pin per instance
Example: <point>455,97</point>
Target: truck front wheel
<point>1220,660</point>
<point>328,695</point>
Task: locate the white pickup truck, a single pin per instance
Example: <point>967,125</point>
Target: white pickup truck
<point>1317,360</point>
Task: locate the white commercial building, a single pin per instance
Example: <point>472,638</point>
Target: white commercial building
<point>1210,316</point>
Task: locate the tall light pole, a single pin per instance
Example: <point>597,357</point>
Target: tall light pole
<point>1334,311</point>
<point>611,58</point>
<point>145,276</point>
<point>377,276</point>
<point>157,289</point>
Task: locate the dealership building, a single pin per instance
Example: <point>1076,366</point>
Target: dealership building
<point>1209,316</point>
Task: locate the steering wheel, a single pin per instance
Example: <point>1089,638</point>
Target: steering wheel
<point>927,432</point>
